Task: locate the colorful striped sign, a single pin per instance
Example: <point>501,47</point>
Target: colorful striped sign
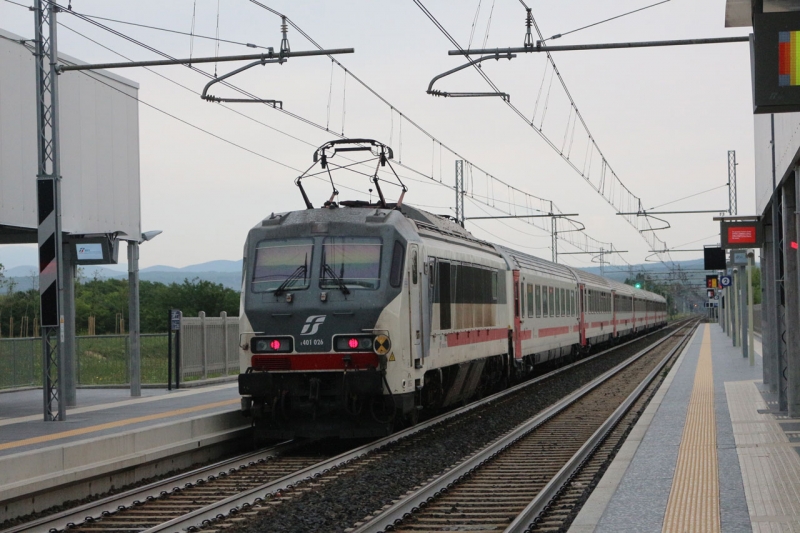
<point>788,58</point>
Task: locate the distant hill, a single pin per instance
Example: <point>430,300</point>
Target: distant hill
<point>229,273</point>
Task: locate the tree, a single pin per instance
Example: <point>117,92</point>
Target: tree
<point>105,299</point>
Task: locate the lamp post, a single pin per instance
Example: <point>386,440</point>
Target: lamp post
<point>133,311</point>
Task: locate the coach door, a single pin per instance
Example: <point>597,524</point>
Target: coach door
<point>582,303</point>
<point>614,312</point>
<point>415,304</point>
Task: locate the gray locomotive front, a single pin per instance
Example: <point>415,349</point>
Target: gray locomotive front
<point>322,313</point>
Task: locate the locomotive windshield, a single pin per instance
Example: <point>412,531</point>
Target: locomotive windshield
<point>351,263</point>
<point>282,264</point>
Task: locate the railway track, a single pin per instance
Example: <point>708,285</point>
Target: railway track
<point>532,478</point>
<point>228,492</point>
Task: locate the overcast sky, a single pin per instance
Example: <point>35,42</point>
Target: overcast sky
<point>663,117</point>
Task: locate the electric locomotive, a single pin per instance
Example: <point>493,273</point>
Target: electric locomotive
<point>355,316</point>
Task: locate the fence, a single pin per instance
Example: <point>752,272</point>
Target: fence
<point>209,348</point>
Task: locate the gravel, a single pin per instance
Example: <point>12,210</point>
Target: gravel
<point>338,504</point>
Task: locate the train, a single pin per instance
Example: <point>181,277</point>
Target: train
<point>357,317</point>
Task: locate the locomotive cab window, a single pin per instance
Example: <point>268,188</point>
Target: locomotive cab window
<point>352,262</point>
<point>282,263</point>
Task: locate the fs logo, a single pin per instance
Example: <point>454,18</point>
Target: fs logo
<point>312,324</point>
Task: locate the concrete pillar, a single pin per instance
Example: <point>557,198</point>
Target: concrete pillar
<point>742,303</point>
<point>767,313</point>
<point>70,360</point>
<point>735,307</point>
<point>792,316</point>
<point>134,346</point>
<point>779,299</point>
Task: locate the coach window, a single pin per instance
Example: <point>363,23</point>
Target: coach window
<point>563,303</point>
<point>530,299</point>
<point>551,300</point>
<point>444,295</point>
<point>414,267</point>
<point>545,307</point>
<point>569,302</point>
<point>494,285</point>
<point>559,303</point>
<point>538,292</point>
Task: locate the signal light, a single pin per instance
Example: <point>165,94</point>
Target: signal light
<point>794,245</point>
<point>275,344</point>
<point>353,343</point>
<point>637,285</point>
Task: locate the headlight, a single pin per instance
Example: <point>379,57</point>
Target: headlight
<point>271,345</point>
<point>352,343</point>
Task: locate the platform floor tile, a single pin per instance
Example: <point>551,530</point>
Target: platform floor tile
<point>769,461</point>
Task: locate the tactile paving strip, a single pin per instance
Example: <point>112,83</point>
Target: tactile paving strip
<point>694,499</point>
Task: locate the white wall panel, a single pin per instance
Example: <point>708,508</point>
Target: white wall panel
<point>99,146</point>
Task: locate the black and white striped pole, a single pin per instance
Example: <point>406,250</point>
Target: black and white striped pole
<point>48,193</point>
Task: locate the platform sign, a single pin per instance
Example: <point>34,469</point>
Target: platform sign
<point>738,257</point>
<point>775,54</point>
<point>712,294</point>
<point>174,320</point>
<point>725,281</point>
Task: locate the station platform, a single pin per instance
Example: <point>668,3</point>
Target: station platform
<point>109,439</point>
<point>710,453</point>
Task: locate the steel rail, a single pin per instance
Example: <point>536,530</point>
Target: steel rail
<point>100,508</point>
<point>212,512</point>
<point>206,515</point>
<point>528,517</point>
<point>419,499</point>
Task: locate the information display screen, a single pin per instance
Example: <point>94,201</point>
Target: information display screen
<point>95,250</point>
<point>775,57</point>
<point>90,251</point>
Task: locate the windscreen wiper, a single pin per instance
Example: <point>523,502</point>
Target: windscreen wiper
<point>301,270</point>
<point>336,278</point>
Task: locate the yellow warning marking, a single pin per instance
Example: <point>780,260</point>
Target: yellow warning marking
<point>391,356</point>
<point>111,425</point>
<point>694,499</point>
<point>382,344</point>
